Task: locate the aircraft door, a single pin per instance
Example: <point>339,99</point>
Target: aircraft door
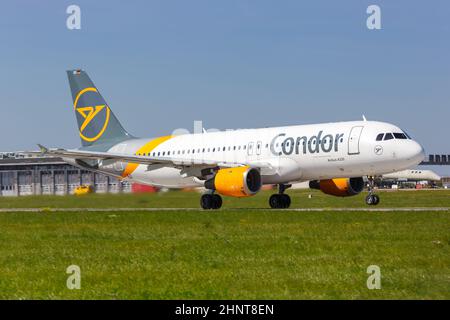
<point>254,150</point>
<point>353,140</point>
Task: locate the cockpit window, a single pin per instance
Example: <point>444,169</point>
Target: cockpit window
<point>380,137</point>
<point>399,135</point>
<point>388,136</point>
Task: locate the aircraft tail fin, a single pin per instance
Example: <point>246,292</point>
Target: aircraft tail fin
<point>97,124</point>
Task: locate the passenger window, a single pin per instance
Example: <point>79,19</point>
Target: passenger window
<point>380,137</point>
<point>388,136</point>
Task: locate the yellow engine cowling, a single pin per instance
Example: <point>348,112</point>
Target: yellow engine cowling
<point>340,187</point>
<point>236,182</point>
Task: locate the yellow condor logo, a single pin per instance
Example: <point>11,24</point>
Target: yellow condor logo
<point>89,113</point>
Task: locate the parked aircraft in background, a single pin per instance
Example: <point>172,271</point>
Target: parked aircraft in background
<point>412,175</point>
<point>335,156</point>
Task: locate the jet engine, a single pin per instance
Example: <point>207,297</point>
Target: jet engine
<point>236,182</point>
<point>341,187</point>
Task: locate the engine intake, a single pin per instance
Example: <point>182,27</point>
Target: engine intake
<point>341,187</point>
<point>236,182</point>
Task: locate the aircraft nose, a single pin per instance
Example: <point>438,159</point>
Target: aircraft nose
<point>416,153</point>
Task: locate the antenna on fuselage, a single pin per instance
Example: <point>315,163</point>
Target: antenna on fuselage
<point>364,118</point>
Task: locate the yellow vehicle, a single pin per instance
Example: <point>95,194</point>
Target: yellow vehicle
<point>82,190</point>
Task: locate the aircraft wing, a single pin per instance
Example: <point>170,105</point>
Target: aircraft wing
<point>96,155</point>
<point>77,154</point>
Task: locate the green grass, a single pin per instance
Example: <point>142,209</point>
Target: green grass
<point>180,199</point>
<point>226,254</point>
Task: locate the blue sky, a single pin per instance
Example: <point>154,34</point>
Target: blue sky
<point>232,64</point>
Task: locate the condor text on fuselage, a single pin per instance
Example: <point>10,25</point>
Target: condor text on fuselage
<point>315,144</point>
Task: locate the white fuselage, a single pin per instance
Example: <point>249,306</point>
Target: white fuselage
<point>284,154</point>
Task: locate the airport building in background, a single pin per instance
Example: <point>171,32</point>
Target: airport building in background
<point>50,176</point>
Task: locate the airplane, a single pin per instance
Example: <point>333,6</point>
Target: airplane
<point>333,156</point>
<point>412,175</point>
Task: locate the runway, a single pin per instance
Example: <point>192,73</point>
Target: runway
<point>362,209</point>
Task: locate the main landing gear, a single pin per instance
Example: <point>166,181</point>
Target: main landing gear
<point>210,201</point>
<point>280,200</point>
<point>372,199</point>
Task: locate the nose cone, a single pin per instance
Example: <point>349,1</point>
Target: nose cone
<point>414,153</point>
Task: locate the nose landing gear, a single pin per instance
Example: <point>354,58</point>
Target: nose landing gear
<point>372,199</point>
<point>280,200</point>
<point>210,201</point>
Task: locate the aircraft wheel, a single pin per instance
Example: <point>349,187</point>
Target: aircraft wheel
<point>286,200</point>
<point>372,199</point>
<point>206,201</point>
<point>376,199</point>
<point>279,201</point>
<point>216,201</point>
<point>369,200</point>
<point>275,201</point>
